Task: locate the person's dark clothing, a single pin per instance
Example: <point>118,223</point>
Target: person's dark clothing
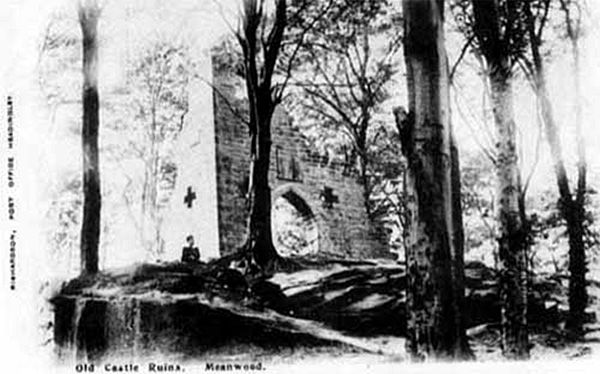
<point>190,254</point>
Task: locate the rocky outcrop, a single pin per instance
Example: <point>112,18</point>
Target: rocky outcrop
<point>190,309</point>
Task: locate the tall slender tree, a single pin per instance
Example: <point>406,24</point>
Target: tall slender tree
<point>571,203</point>
<point>89,12</point>
<point>159,80</point>
<point>269,56</point>
<point>433,236</point>
<point>577,258</point>
<point>260,53</point>
<point>498,45</point>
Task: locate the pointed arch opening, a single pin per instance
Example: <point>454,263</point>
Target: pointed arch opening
<point>294,226</point>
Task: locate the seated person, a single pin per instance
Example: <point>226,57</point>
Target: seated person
<point>190,254</point>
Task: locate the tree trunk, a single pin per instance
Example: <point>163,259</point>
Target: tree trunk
<point>577,259</point>
<point>457,253</point>
<point>494,44</point>
<point>262,101</point>
<point>259,224</point>
<point>577,269</point>
<point>90,230</point>
<point>361,143</point>
<point>433,232</point>
<point>150,229</point>
<point>572,210</point>
<point>364,178</point>
<point>512,233</point>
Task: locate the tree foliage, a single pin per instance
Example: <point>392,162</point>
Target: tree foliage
<point>343,83</point>
<point>158,97</point>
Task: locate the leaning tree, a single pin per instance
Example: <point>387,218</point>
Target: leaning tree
<point>571,201</point>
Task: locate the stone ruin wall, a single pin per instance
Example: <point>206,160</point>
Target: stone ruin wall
<point>344,229</point>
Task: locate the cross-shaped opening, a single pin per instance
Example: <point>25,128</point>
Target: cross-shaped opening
<point>189,197</point>
<point>328,197</point>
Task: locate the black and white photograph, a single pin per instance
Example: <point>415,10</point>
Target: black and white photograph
<point>296,186</point>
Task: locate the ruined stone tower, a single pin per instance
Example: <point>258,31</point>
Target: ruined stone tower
<point>327,196</point>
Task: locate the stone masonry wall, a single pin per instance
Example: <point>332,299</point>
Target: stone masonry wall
<point>331,191</point>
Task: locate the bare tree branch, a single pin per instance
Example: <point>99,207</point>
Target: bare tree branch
<point>463,51</point>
